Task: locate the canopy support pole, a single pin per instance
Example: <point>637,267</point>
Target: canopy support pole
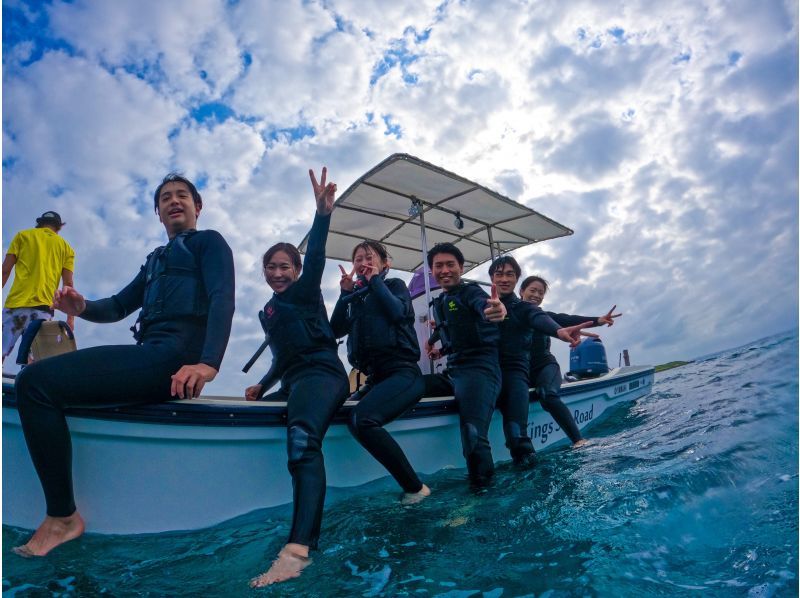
<point>491,242</point>
<point>417,209</point>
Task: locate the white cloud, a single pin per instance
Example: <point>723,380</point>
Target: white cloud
<point>183,46</point>
<point>664,134</point>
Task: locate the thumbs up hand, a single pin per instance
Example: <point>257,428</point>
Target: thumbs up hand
<point>495,311</point>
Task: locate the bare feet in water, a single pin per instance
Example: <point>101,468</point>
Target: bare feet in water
<point>412,498</point>
<point>292,559</point>
<point>53,532</point>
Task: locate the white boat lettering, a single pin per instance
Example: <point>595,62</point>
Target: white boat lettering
<point>620,389</point>
<point>581,417</point>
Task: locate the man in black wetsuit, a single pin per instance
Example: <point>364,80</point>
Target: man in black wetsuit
<point>466,324</point>
<point>516,331</point>
<point>186,292</point>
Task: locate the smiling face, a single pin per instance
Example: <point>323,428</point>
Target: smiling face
<point>177,209</point>
<point>280,272</point>
<point>446,270</point>
<point>505,279</point>
<point>534,293</point>
<point>365,260</point>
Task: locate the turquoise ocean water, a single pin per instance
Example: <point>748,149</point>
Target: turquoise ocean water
<point>691,491</point>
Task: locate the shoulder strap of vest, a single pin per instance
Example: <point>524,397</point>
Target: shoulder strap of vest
<point>151,261</point>
<point>179,242</point>
<point>512,311</point>
<point>302,311</point>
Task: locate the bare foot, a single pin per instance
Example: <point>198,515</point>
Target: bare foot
<point>53,532</point>
<point>412,498</point>
<point>292,559</point>
<point>580,443</point>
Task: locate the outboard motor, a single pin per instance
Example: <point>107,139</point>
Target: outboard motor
<point>588,360</point>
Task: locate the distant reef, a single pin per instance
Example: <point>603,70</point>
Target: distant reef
<point>670,365</point>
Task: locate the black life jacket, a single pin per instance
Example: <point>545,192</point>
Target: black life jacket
<point>459,326</point>
<point>371,334</point>
<point>295,329</point>
<point>540,346</point>
<point>173,285</point>
<point>515,336</point>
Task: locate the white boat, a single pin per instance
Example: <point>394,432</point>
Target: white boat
<point>195,463</point>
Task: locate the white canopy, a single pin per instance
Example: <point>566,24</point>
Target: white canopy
<point>384,204</point>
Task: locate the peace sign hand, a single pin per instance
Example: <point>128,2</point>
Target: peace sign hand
<point>572,334</point>
<point>370,270</point>
<point>609,317</point>
<point>324,194</point>
<point>347,283</point>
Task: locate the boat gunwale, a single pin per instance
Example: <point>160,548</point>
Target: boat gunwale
<point>227,412</point>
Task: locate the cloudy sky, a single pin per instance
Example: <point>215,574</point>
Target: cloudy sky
<point>664,134</point>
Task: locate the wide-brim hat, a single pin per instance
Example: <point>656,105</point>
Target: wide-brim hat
<point>50,217</point>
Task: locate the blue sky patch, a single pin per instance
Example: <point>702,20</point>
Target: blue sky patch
<point>201,182</point>
<point>618,33</point>
<point>418,37</point>
<point>18,28</point>
<point>733,58</point>
<point>397,55</point>
<point>56,191</point>
<point>682,57</point>
<point>392,129</point>
<point>291,134</point>
<point>149,71</point>
<point>215,112</point>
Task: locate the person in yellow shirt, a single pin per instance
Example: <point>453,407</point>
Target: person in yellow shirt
<point>40,258</point>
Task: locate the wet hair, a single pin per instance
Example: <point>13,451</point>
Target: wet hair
<point>530,280</point>
<point>174,177</point>
<point>368,245</point>
<point>288,249</point>
<point>445,248</point>
<point>502,261</point>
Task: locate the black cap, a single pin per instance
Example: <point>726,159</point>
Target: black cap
<point>50,218</point>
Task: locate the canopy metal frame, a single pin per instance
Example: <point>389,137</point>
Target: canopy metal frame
<point>402,192</point>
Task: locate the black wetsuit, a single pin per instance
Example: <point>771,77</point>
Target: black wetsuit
<point>379,321</point>
<point>470,343</point>
<point>545,376</point>
<point>313,381</point>
<point>516,332</point>
<point>172,336</point>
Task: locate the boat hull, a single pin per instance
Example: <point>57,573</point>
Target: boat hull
<point>193,464</point>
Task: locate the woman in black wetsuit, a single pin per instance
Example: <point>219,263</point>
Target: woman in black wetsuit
<point>313,380</point>
<point>545,373</point>
<point>377,315</point>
